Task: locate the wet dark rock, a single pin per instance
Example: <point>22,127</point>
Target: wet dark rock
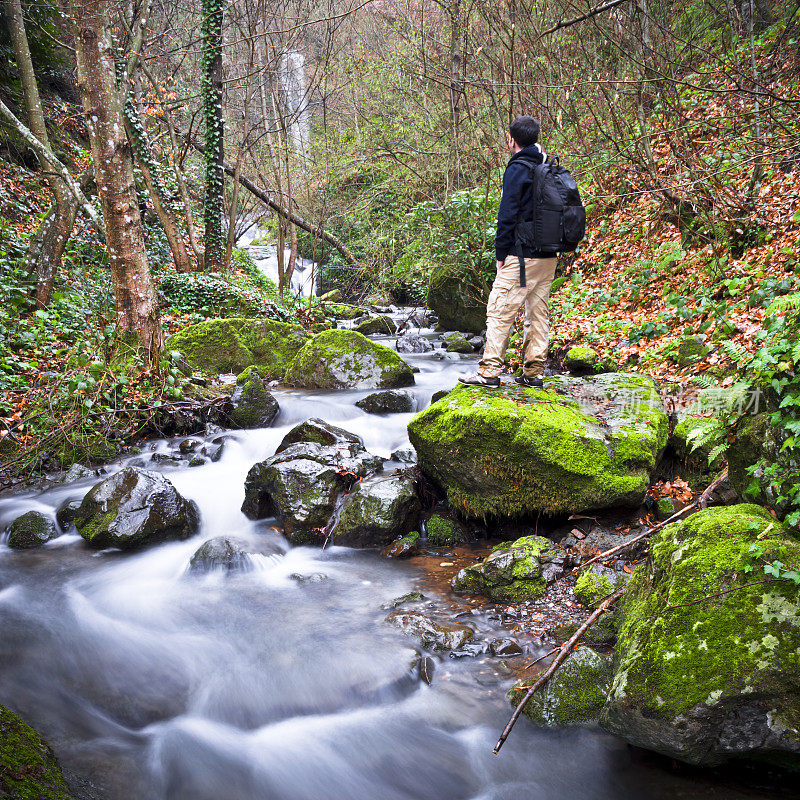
<point>377,510</point>
<point>300,484</point>
<point>470,650</point>
<point>188,446</point>
<point>436,396</point>
<point>320,432</point>
<point>221,553</point>
<point>165,458</point>
<point>214,450</point>
<point>432,635</point>
<point>667,506</point>
<point>409,597</point>
<point>134,508</point>
<point>504,648</point>
<point>65,513</point>
<point>196,461</point>
<point>477,342</point>
<point>458,296</point>
<point>376,325</point>
<point>405,456</point>
<point>413,343</point>
<point>427,668</point>
<point>404,547</point>
<point>601,634</point>
<point>32,529</point>
<point>253,405</point>
<point>391,401</point>
<point>574,696</point>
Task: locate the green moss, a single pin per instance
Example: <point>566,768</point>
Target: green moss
<point>342,359</point>
<point>678,650</point>
<point>512,573</point>
<point>574,696</point>
<point>590,589</point>
<point>443,531</point>
<point>580,359</point>
<point>28,767</point>
<point>513,450</point>
<point>231,345</point>
<point>458,296</point>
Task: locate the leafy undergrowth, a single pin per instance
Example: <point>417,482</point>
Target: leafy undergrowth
<point>642,282</point>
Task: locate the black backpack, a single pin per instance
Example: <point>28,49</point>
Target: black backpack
<point>556,220</point>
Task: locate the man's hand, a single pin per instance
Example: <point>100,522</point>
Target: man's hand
<point>499,264</point>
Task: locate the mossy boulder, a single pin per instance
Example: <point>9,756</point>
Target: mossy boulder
<point>708,655</point>
<point>695,460</point>
<point>581,360</point>
<point>574,446</point>
<point>459,295</point>
<point>455,342</point>
<point>382,324</point>
<point>758,440</point>
<point>253,405</point>
<point>515,571</point>
<point>343,311</point>
<point>378,510</point>
<point>596,583</point>
<point>29,769</point>
<point>133,508</point>
<point>444,531</point>
<point>602,633</point>
<point>301,483</point>
<point>691,349</point>
<point>404,547</point>
<point>32,529</point>
<point>341,359</point>
<point>574,696</point>
<point>232,345</point>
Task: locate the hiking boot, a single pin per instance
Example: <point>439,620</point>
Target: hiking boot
<point>534,383</point>
<point>479,380</point>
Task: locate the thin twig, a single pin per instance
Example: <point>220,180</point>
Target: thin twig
<point>557,661</point>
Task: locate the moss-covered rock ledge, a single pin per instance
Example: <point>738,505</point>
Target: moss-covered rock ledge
<point>708,654</point>
<point>342,359</point>
<point>28,767</point>
<point>576,445</point>
<point>233,344</point>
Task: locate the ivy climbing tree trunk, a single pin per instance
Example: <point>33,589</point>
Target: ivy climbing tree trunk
<point>211,89</point>
<point>49,240</point>
<point>136,302</point>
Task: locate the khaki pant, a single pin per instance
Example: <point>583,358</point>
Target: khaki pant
<point>505,301</point>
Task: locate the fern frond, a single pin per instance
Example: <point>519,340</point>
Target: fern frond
<point>734,351</point>
<point>785,304</point>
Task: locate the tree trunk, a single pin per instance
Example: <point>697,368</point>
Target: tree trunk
<point>136,303</point>
<point>48,242</point>
<point>211,89</point>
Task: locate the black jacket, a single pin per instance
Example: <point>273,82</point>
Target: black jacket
<point>517,189</point>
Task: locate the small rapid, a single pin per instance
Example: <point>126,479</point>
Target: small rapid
<point>282,681</point>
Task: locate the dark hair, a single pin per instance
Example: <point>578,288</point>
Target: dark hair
<point>524,131</point>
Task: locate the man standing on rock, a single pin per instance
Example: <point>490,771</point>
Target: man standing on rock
<point>509,291</point>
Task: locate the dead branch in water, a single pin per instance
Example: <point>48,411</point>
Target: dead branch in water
<point>698,502</point>
<point>557,661</point>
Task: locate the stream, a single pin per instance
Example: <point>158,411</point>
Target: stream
<point>154,684</point>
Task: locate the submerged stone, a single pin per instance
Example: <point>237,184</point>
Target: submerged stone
<point>31,529</point>
<point>342,359</point>
<point>707,665</point>
<point>221,553</point>
<point>233,344</point>
<point>574,696</point>
<point>515,571</point>
<point>134,508</point>
<point>432,635</point>
<point>577,445</point>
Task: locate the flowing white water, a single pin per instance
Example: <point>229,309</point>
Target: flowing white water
<point>155,684</point>
<point>292,80</point>
<point>266,259</point>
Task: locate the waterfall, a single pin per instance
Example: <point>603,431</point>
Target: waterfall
<point>292,78</point>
